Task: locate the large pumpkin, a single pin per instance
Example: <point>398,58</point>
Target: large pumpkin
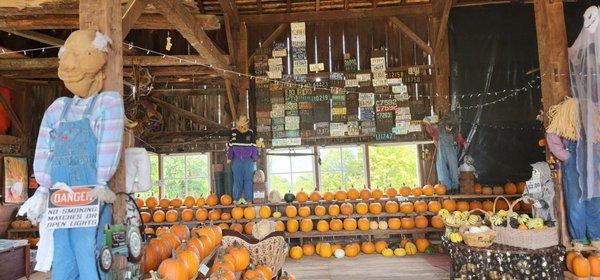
<point>223,261</point>
<point>322,226</point>
<point>394,223</point>
<point>362,208</point>
<point>291,211</point>
<point>420,206</point>
<point>176,202</point>
<point>353,193</point>
<point>152,258</point>
<point>510,188</point>
<point>391,207</point>
<point>302,196</point>
<point>172,269</point>
<point>191,262</point>
<point>375,208</point>
<point>320,210</point>
<point>162,246</point>
<point>363,224</point>
<point>421,221</point>
<point>196,243</point>
<point>296,253</point>
<point>304,211</point>
<point>226,200</point>
<point>336,225</point>
<point>406,207</point>
<point>377,193</point>
<point>391,192</point>
<point>292,225</point>
<point>306,225</point>
<point>440,189</point>
<point>212,199</point>
<point>333,210</point>
<point>264,212</point>
<point>240,254</point>
<point>367,247</point>
<point>407,223</point>
<point>171,238</point>
<point>350,224</point>
<point>581,266</point>
<point>434,206</point>
<point>347,209</point>
<point>181,231</point>
<point>308,249</point>
<point>428,190</point>
<point>422,244</point>
<point>201,214</point>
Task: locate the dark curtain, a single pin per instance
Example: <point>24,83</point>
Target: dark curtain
<point>493,49</point>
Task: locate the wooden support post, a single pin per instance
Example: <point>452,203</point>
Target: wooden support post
<point>411,35</point>
<point>367,166</point>
<point>242,66</point>
<point>230,100</point>
<point>553,57</point>
<point>441,70</point>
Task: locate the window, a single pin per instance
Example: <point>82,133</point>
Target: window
<point>153,176</point>
<point>342,167</point>
<point>291,170</point>
<point>186,174</point>
<point>393,165</point>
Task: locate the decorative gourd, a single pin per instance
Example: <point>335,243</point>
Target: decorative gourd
<point>315,196</point>
<point>373,225</point>
<point>292,225</point>
<point>308,249</point>
<point>376,194</point>
<point>487,190</point>
<point>289,197</point>
<point>164,203</point>
<point>581,266</point>
<point>347,209</point>
<point>306,225</point>
<point>241,256</point>
<point>353,193</point>
<point>333,210</point>
<point>422,244</point>
<point>276,214</point>
<point>172,269</point>
<point>291,211</point>
<point>320,210</point>
<point>336,225</point>
<point>428,190</point>
<point>158,216</point>
<point>151,202</point>
<point>367,247</point>
<point>411,248</point>
<point>375,208</point>
<point>253,274</point>
<point>391,192</point>
<point>350,224</point>
<point>212,199</point>
<point>304,211</point>
<point>302,196</point>
<point>434,206</point>
<point>405,191</point>
<point>420,206</point>
<point>222,274</point>
<point>407,207</point>
<point>249,213</point>
<point>296,253</point>
<point>455,237</point>
<point>362,208</point>
<point>394,223</point>
<point>328,196</point>
<point>264,212</point>
<point>380,245</point>
<point>339,253</point>
<point>363,224</point>
<point>391,207</point>
<point>387,252</point>
<point>383,225</point>
<point>400,252</point>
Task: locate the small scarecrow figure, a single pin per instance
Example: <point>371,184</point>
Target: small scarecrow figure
<point>242,153</point>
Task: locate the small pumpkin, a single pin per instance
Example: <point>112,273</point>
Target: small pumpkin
<point>428,190</point>
<point>212,199</point>
<point>487,190</point>
<point>420,206</point>
<point>417,191</point>
<point>240,254</point>
<point>308,249</point>
<point>302,196</point>
<point>363,224</point>
<point>333,210</point>
<point>292,225</point>
<point>440,189</point>
<point>322,226</point>
<point>339,253</point>
<point>315,196</point>
<point>462,206</point>
<point>350,224</point>
<point>158,216</point>
<point>449,204</point>
<point>306,225</point>
<point>391,192</point>
<point>373,225</point>
<point>365,194</point>
<point>353,193</point>
<point>325,250</point>
<point>383,225</point>
<point>407,207</point>
<point>405,191</point>
<point>434,206</point>
<point>264,212</point>
<point>191,262</point>
<point>172,269</point>
<point>296,253</point>
<point>375,208</point>
<point>151,202</point>
<point>200,201</point>
<point>594,260</point>
<point>304,211</point>
<point>328,196</point>
<point>187,215</point>
<point>351,250</point>
<point>249,213</point>
<point>391,207</point>
<point>510,188</point>
<point>291,211</point>
<point>394,223</point>
<point>189,201</point>
<point>498,190</point>
<point>380,245</point>
<point>407,223</point>
<point>377,193</point>
<point>336,224</point>
<point>222,274</point>
<point>289,197</point>
<point>422,244</point>
<point>581,266</point>
<point>367,247</point>
<point>362,208</point>
<point>421,221</point>
<point>320,210</point>
<point>164,203</point>
<point>340,195</point>
<point>347,209</point>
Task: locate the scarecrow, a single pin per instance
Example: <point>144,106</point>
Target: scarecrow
<point>447,139</point>
<point>79,144</point>
<point>242,153</point>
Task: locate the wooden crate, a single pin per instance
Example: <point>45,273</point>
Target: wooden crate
<point>15,262</point>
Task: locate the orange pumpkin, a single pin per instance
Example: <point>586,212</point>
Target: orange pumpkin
<point>236,227</point>
<point>240,254</point>
<point>375,208</point>
<point>162,246</point>
<point>341,195</point>
<point>434,206</point>
<point>291,211</point>
<point>333,210</point>
<point>173,269</point>
<point>365,194</point>
<point>408,223</point>
<point>462,206</point>
<point>350,224</point>
<point>440,189</point>
<point>521,187</point>
<point>487,205</point>
<point>222,274</point>
<point>139,202</point>
<point>161,230</point>
<point>191,262</point>
<point>315,196</point>
<point>449,204</point>
<point>181,231</point>
<point>406,207</point>
<point>201,214</point>
<point>380,245</point>
<point>421,221</point>
<point>367,247</point>
<point>217,233</point>
<point>296,253</point>
<point>248,227</point>
<point>581,266</point>
<point>347,209</point>
<point>292,225</point>
<point>377,193</point>
<point>363,224</point>
<point>172,216</point>
<point>151,259</point>
<point>223,261</point>
<point>176,202</point>
<point>265,270</point>
<point>187,215</point>
<point>302,196</point>
<point>279,226</point>
<point>594,260</point>
<point>362,208</point>
<point>306,225</point>
<point>249,213</point>
<point>328,196</point>
<point>304,211</point>
<point>253,274</point>
<point>405,191</point>
<point>569,259</point>
<point>226,200</point>
<point>336,225</point>
<point>437,222</point>
<point>320,210</point>
<point>189,201</point>
<point>501,204</point>
<point>487,190</point>
<point>208,232</point>
<point>497,190</point>
<point>237,213</point>
<point>171,239</point>
<point>308,249</point>
<point>151,202</point>
<point>199,246</point>
<point>264,212</point>
<point>510,188</point>
<point>391,192</point>
<point>391,207</point>
<point>475,205</point>
<point>146,217</point>
<point>428,190</point>
<point>353,193</point>
<point>200,201</point>
<point>477,188</point>
<point>420,206</point>
<point>164,203</point>
<point>394,223</point>
<point>417,191</point>
<point>214,215</point>
<point>324,250</point>
<point>212,199</point>
<point>322,226</point>
<point>223,226</point>
<point>422,244</point>
<point>352,250</point>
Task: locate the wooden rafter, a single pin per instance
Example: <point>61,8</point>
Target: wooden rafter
<point>185,113</point>
<point>443,25</point>
<point>232,25</point>
<point>272,37</point>
<point>411,35</point>
<point>52,62</point>
<point>131,13</point>
<point>229,89</point>
<point>37,36</point>
<point>192,92</point>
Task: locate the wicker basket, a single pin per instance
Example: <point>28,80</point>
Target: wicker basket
<point>480,240</point>
<point>528,239</point>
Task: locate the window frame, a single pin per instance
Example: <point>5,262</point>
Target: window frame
<point>312,171</point>
<point>340,146</point>
<point>161,165</point>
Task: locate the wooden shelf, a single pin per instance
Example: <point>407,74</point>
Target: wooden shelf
<point>360,232</point>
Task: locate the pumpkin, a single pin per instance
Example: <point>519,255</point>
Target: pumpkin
<point>375,208</point>
<point>236,227</point>
<point>315,196</point>
<point>449,204</point>
<point>394,223</point>
<point>380,245</point>
<point>240,254</point>
<point>422,244</point>
<point>146,218</point>
<point>405,191</point>
<point>158,216</point>
<point>189,201</point>
<point>382,225</point>
<point>350,224</point>
<point>497,190</point>
<point>171,239</point>
<point>421,221</point>
<point>434,206</point>
<point>139,202</point>
<point>340,195</point>
<point>320,210</point>
<point>406,207</point>
<point>322,226</point>
<point>291,211</point>
<point>308,249</point>
<point>437,222</point>
<point>363,224</point>
<point>222,274</point>
<point>200,201</point>
<point>407,223</point>
<point>428,190</point>
<point>214,215</point>
<point>420,206</point>
<point>510,188</point>
<point>196,243</point>
<point>161,230</point>
<point>410,248</point>
<point>581,266</point>
<point>212,199</point>
<point>417,191</point>
<point>373,225</point>
<point>333,210</point>
<point>336,224</point>
<point>225,216</point>
<point>164,203</point>
<point>289,197</point>
<point>391,192</point>
<point>351,250</point>
<point>287,276</point>
<point>487,205</point>
<point>149,230</point>
<point>346,209</point>
<point>391,207</point>
<point>400,252</point>
<point>521,187</point>
<point>162,246</point>
<point>191,262</point>
<point>339,253</point>
<point>365,194</point>
<point>266,271</point>
<point>279,226</point>
<point>475,205</point>
<point>569,259</point>
<point>248,227</point>
<point>223,261</point>
<point>249,213</point>
<point>440,189</point>
<point>477,188</point>
<point>151,202</point>
<point>377,193</point>
<point>302,196</point>
<point>214,239</point>
<point>501,204</point>
<point>201,215</point>
<point>367,247</point>
<point>292,225</point>
<point>181,231</point>
<point>486,190</point>
<point>462,206</point>
<point>353,193</point>
<point>226,200</point>
<point>304,211</point>
<point>325,250</point>
<point>187,215</point>
<point>594,260</point>
<point>152,258</point>
<point>264,212</point>
<point>173,269</point>
<point>328,196</point>
<point>176,202</point>
<point>362,208</point>
<point>306,225</point>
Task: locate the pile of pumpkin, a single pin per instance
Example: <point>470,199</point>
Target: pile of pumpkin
<point>365,194</point>
<point>21,224</point>
<point>236,258</point>
<point>327,250</point>
<point>581,266</point>
<point>508,189</point>
<point>188,202</point>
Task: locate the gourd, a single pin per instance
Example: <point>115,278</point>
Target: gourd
<point>176,202</point>
<point>301,196</point>
<point>455,237</point>
<point>264,212</point>
<point>289,197</point>
<point>373,225</point>
<point>241,256</point>
<point>276,215</point>
<point>383,225</point>
<point>581,266</point>
<point>536,223</point>
<point>410,248</point>
<point>172,269</point>
<point>387,252</point>
<point>339,253</point>
<point>400,252</point>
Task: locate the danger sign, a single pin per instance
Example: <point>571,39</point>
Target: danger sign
<point>72,209</point>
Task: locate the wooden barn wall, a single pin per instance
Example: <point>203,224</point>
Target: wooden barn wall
<point>206,106</point>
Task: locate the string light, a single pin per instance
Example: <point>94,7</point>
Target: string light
<point>43,49</point>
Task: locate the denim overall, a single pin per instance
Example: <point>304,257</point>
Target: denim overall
<point>74,163</point>
<point>447,160</point>
<point>243,173</point>
<point>583,215</point>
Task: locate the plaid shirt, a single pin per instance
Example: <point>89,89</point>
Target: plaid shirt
<point>107,122</point>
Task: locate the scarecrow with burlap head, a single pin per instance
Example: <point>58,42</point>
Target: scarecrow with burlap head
<point>242,153</point>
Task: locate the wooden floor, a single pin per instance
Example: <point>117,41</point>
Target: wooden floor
<point>370,267</point>
<point>363,267</point>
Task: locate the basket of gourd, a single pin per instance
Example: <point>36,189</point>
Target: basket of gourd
<point>456,220</point>
<point>477,234</point>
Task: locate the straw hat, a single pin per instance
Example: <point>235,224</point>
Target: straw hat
<point>242,120</point>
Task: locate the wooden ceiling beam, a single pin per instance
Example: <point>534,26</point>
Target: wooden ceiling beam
<point>155,71</point>
<point>350,14</point>
<point>191,92</point>
<point>36,36</point>
<point>131,13</point>
<point>281,29</point>
<point>145,21</point>
<point>411,34</point>
<point>443,25</point>
<point>52,62</point>
<point>185,113</point>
